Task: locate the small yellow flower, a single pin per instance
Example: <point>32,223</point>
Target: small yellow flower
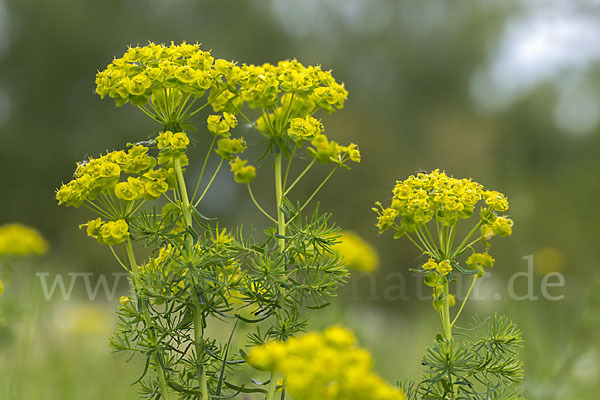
<point>430,264</point>
<point>502,226</point>
<point>114,232</point>
<point>242,173</point>
<point>124,300</point>
<point>227,147</point>
<point>444,267</point>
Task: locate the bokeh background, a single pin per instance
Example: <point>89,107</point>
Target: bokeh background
<point>505,92</point>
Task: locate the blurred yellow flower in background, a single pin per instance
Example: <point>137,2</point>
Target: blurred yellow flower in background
<point>326,365</point>
<point>20,240</point>
<point>357,253</point>
<point>548,259</point>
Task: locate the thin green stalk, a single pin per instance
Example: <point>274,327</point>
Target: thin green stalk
<point>267,119</point>
<point>431,238</point>
<point>250,122</point>
<point>164,388</point>
<point>287,170</point>
<point>204,167</point>
<point>438,309</point>
<point>198,338</point>
<point>425,242</point>
<point>317,189</point>
<point>182,106</point>
<point>148,113</point>
<point>279,198</point>
<point>198,326</point>
<point>272,386</point>
<point>415,243</point>
<point>202,107</point>
<point>184,112</point>
<point>441,238</point>
<point>97,209</point>
<point>466,239</point>
<point>446,312</point>
<point>299,177</point>
<point>450,241</point>
<point>209,183</point>
<point>118,259</point>
<point>258,205</point>
<point>281,241</point>
<point>187,213</point>
<point>464,301</point>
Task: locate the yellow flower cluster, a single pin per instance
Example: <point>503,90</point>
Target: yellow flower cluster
<point>324,366</point>
<point>326,151</point>
<point>102,175</point>
<point>501,226</point>
<point>480,261</point>
<point>220,125</point>
<point>356,252</point>
<point>19,240</point>
<point>443,267</point>
<point>172,146</point>
<point>419,199</point>
<point>157,71</point>
<point>110,233</point>
<point>309,88</point>
<point>304,129</point>
<point>242,173</point>
<point>228,147</point>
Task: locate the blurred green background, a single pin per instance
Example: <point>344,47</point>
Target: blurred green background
<point>504,92</point>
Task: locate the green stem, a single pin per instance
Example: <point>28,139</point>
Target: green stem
<point>281,231</point>
<point>250,122</point>
<point>317,189</point>
<point>425,243</point>
<point>118,259</point>
<point>258,205</point>
<point>450,240</point>
<point>464,301</point>
<point>272,386</point>
<point>415,243</point>
<point>204,167</point>
<point>198,326</point>
<point>198,338</point>
<point>279,198</point>
<point>430,236</point>
<point>466,239</point>
<point>287,170</point>
<point>209,183</point>
<point>186,209</point>
<point>164,388</point>
<point>299,177</point>
<point>446,312</point>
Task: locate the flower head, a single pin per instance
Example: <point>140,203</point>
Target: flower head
<point>19,240</point>
<point>356,252</point>
<point>324,365</point>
